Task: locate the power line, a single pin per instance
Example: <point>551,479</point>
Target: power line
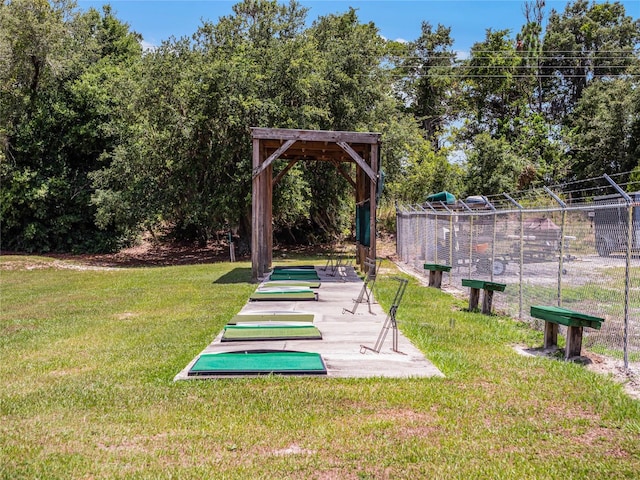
<point>522,67</point>
<point>515,76</point>
<point>517,52</point>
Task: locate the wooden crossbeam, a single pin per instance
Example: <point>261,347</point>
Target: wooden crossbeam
<point>359,160</point>
<point>344,174</point>
<point>257,171</point>
<point>283,172</point>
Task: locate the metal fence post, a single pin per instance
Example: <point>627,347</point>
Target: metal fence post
<point>470,243</point>
<point>563,206</point>
<point>627,269</point>
<point>627,287</point>
<point>521,272</point>
<point>436,241</point>
<point>493,242</point>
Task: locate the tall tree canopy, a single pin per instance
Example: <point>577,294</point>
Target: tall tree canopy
<point>57,119</point>
<point>100,141</point>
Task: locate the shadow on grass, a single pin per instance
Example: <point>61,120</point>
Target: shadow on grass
<point>237,275</point>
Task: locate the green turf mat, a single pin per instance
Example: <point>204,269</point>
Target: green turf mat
<point>282,296</point>
<point>313,276</point>
<point>292,283</point>
<point>296,271</point>
<point>259,362</point>
<point>235,333</point>
<point>282,289</point>
<point>295,318</point>
<point>294,267</point>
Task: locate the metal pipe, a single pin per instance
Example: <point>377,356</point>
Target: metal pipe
<point>627,288</point>
<point>521,266</point>
<point>493,243</point>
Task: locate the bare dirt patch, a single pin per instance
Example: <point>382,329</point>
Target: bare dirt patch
<point>629,378</point>
<point>159,254</point>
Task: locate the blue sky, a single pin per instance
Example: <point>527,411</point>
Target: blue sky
<point>158,20</point>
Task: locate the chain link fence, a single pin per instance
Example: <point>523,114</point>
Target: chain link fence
<point>579,249</point>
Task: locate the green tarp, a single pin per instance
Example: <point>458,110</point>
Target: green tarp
<point>446,197</point>
<point>363,226</point>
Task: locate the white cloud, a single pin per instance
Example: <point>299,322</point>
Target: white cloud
<point>147,47</point>
<point>399,40</point>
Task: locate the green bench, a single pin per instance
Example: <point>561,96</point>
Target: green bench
<point>574,321</point>
<point>435,273</point>
<point>487,287</point>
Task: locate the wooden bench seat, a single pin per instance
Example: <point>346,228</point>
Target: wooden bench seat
<point>487,287</point>
<point>574,321</point>
<point>435,273</point>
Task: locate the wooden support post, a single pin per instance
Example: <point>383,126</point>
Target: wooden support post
<point>550,335</point>
<point>487,300</point>
<point>268,216</point>
<point>373,190</point>
<point>360,197</point>
<point>574,342</point>
<point>255,218</point>
<point>435,278</point>
<point>474,297</point>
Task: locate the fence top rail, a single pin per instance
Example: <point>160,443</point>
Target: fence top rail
<point>412,209</point>
<point>575,195</point>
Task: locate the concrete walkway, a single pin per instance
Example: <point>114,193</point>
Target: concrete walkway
<point>342,334</point>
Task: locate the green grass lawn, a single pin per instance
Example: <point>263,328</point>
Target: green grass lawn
<point>87,360</point>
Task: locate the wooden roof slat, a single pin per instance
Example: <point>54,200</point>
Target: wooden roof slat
<point>315,147</point>
<point>315,135</point>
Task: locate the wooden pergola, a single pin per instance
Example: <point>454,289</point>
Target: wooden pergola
<point>271,144</point>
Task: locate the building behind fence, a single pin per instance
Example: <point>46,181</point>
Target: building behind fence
<point>578,248</point>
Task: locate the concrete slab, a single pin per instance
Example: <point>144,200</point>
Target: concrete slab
<point>343,334</point>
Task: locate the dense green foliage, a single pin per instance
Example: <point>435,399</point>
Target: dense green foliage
<point>100,140</point>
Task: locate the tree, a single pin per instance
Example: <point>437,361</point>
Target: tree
<point>492,166</point>
<point>529,48</point>
<point>429,69</point>
<point>586,43</point>
<point>55,129</point>
<point>351,94</point>
<point>191,161</point>
<point>491,93</point>
<point>603,129</point>
<point>426,172</point>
